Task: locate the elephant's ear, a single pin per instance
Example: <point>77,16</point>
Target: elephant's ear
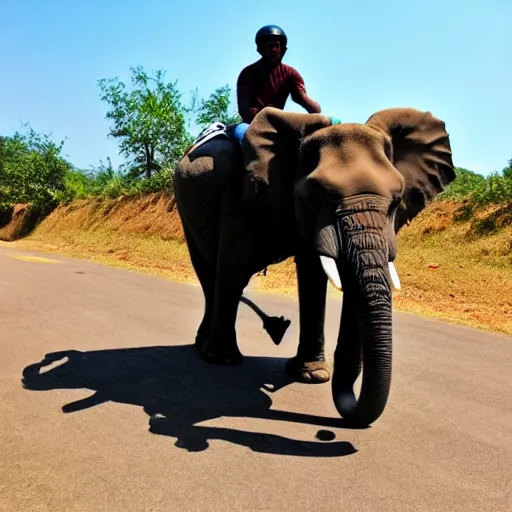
<point>422,154</point>
<point>271,153</point>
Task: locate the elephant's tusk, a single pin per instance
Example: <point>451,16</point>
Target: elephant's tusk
<point>331,270</point>
<point>394,275</point>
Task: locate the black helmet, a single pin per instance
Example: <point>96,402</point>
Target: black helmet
<point>270,32</point>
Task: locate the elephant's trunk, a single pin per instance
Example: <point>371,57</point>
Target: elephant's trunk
<point>371,340</point>
<point>366,324</point>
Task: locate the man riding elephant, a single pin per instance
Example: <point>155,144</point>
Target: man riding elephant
<point>268,82</point>
<point>264,83</point>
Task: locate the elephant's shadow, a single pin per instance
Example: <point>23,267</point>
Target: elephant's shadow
<point>177,390</point>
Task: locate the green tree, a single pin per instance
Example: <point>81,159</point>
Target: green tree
<point>32,169</point>
<point>217,109</point>
<point>148,120</point>
<point>507,171</point>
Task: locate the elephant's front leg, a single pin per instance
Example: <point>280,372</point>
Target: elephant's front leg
<point>309,365</point>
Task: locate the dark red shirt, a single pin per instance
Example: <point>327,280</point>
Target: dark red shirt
<point>260,86</point>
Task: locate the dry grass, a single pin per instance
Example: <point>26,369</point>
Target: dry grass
<point>456,270</point>
<point>153,214</point>
<point>452,271</point>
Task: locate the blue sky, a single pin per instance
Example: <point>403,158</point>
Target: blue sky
<point>452,57</point>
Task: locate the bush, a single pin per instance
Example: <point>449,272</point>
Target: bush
<point>465,183</point>
<point>478,190</point>
<point>497,190</point>
<point>161,181</point>
<point>77,185</point>
<point>31,169</point>
<point>111,184</point>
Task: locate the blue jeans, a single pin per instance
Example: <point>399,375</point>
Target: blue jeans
<point>239,131</point>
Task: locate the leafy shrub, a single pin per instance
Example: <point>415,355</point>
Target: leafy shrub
<point>465,183</point>
<point>77,185</point>
<point>497,190</point>
<point>159,182</point>
<point>31,169</point>
<point>111,184</point>
<point>477,190</point>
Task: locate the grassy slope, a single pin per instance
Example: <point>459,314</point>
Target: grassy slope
<point>456,269</point>
<point>450,268</point>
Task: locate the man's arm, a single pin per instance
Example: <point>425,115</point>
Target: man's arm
<point>243,98</point>
<point>299,95</point>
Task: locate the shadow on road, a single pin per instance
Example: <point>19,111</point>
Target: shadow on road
<point>178,390</point>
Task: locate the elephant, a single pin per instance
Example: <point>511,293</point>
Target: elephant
<point>332,195</point>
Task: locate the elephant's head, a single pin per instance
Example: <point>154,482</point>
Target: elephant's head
<point>357,186</point>
<point>353,186</point>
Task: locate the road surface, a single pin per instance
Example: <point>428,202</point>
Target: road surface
<point>122,416</point>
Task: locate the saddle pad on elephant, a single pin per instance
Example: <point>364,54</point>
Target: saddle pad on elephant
<point>208,133</point>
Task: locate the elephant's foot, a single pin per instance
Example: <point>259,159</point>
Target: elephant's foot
<point>308,372</point>
<point>219,353</point>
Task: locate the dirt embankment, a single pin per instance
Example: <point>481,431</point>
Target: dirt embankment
<point>453,264</point>
<point>151,215</point>
<point>18,220</point>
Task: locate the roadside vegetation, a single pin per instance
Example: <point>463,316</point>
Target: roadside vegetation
<point>152,126</point>
<point>454,260</point>
<point>150,122</point>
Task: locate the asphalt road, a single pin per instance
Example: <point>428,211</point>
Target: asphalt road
<point>122,416</point>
